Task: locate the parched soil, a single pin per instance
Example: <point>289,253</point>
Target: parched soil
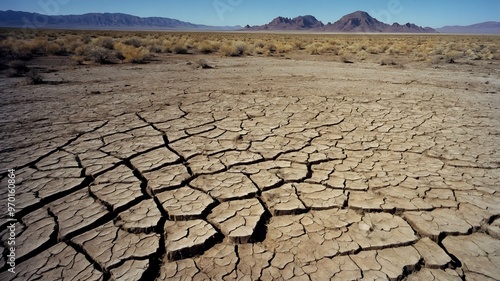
<point>257,169</point>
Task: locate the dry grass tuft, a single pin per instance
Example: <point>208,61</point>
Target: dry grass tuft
<point>207,47</point>
<point>132,54</point>
<point>452,56</point>
<point>180,48</point>
<point>34,78</point>
<point>17,68</point>
<point>234,49</point>
<point>203,64</point>
<point>99,54</point>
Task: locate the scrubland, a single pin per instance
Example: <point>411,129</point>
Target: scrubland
<point>139,47</point>
<point>17,47</point>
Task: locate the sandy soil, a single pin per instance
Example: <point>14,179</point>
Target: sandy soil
<point>301,168</point>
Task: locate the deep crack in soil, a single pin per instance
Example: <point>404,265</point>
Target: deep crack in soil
<point>263,169</point>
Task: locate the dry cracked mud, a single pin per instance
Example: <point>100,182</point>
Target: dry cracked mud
<point>258,169</point>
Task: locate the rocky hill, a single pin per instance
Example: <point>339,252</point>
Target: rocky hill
<point>282,23</point>
<point>358,21</point>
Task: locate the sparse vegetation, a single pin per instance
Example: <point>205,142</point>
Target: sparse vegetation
<point>453,55</point>
<point>387,62</point>
<point>234,49</point>
<point>180,48</point>
<point>139,47</point>
<point>33,78</point>
<point>132,54</point>
<point>202,63</point>
<point>99,54</point>
<point>17,69</point>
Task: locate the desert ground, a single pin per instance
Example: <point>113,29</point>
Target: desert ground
<point>276,166</point>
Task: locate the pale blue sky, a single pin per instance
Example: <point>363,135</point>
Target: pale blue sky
<point>433,13</point>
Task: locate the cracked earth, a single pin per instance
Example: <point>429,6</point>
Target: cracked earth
<point>259,169</point>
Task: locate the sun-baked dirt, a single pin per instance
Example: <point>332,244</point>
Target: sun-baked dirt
<point>257,169</point>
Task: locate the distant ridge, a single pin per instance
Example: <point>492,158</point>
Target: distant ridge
<point>299,23</point>
<point>114,21</point>
<point>489,27</point>
<point>358,21</point>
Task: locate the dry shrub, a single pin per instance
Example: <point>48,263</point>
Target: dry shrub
<point>299,44</point>
<point>38,46</point>
<point>207,47</point>
<point>134,41</point>
<point>452,55</point>
<point>155,48</point>
<point>33,78</point>
<point>167,46</point>
<point>420,56</point>
<point>55,49</point>
<point>283,48</point>
<point>436,59</point>
<point>19,50</point>
<point>180,48</point>
<point>78,59</point>
<point>132,54</point>
<point>329,48</point>
<point>241,47</point>
<point>388,62</point>
<point>377,49</point>
<point>314,48</point>
<point>104,42</point>
<point>362,55</point>
<point>234,49</point>
<point>269,48</point>
<point>99,54</point>
<point>17,68</point>
<point>259,44</point>
<point>361,46</point>
<point>202,63</point>
<point>345,59</point>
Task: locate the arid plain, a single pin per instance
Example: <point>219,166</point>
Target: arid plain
<point>234,156</point>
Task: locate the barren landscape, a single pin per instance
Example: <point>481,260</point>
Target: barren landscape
<point>345,157</point>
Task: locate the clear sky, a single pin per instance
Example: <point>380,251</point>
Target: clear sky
<point>433,13</point>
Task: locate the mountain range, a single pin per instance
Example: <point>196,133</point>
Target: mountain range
<point>489,27</point>
<point>114,21</point>
<point>355,22</point>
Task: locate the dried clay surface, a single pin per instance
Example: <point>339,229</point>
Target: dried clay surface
<point>257,169</point>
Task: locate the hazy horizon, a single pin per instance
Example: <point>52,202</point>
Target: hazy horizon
<point>242,12</point>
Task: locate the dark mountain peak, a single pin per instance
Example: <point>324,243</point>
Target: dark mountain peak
<point>359,14</point>
<point>307,21</point>
<point>281,20</point>
<point>358,21</point>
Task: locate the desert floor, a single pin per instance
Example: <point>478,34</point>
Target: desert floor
<point>259,168</point>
